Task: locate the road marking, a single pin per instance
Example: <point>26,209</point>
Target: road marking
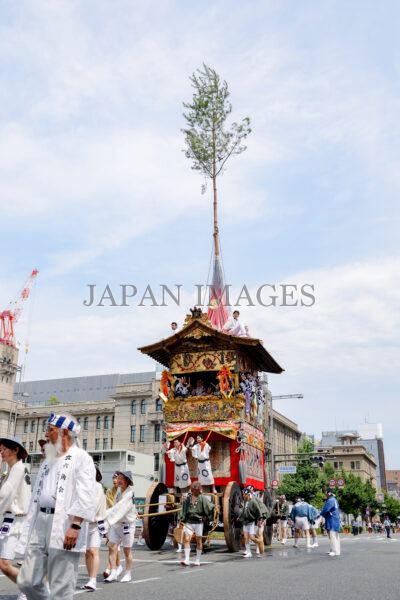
<point>191,571</point>
<point>86,591</point>
<point>168,561</point>
<point>144,580</point>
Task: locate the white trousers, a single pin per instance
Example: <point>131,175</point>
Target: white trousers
<point>334,538</point>
<point>61,566</point>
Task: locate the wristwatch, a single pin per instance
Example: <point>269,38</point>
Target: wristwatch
<point>75,526</point>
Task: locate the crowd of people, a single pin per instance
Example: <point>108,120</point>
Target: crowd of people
<point>68,513</point>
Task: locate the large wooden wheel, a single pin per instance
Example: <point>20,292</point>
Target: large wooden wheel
<point>155,528</point>
<point>231,510</point>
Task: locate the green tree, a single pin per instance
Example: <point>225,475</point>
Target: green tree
<point>392,507</point>
<point>52,400</point>
<point>352,497</point>
<point>306,482</point>
<point>210,142</point>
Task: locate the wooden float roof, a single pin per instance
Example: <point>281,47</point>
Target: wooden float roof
<point>198,330</point>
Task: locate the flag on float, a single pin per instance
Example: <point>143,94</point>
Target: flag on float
<point>218,312</point>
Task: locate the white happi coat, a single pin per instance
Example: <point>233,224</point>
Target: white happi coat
<point>75,497</point>
<point>15,494</point>
<point>182,475</point>
<point>204,471</point>
<point>123,511</point>
<point>100,507</point>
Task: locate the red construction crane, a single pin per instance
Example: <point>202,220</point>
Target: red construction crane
<point>11,315</point>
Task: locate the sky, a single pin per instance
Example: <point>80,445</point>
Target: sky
<point>95,188</point>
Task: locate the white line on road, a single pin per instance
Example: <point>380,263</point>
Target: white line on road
<point>191,571</point>
<point>144,580</point>
<point>84,591</point>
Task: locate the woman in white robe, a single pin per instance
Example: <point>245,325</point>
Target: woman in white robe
<point>15,494</point>
<point>121,519</point>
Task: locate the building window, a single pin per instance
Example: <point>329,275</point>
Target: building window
<point>112,422</point>
<point>33,426</point>
<point>133,434</point>
<point>141,438</point>
<point>98,423</point>
<point>133,409</point>
<point>111,443</point>
<point>352,465</point>
<point>97,444</point>
<point>336,465</point>
<point>106,421</point>
<point>44,425</point>
<point>143,407</point>
<point>156,461</point>
<point>26,423</point>
<point>358,465</point>
<point>105,444</point>
<point>79,420</point>
<point>157,432</point>
<point>30,446</point>
<point>340,465</point>
<point>85,444</point>
<point>86,423</point>
<point>158,404</point>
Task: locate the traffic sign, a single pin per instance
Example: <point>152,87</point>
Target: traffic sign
<point>332,482</point>
<point>340,482</point>
<point>287,470</point>
<point>275,483</point>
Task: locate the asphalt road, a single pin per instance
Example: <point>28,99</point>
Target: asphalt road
<point>367,568</point>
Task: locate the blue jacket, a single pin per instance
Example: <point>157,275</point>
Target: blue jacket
<point>332,515</point>
<point>313,512</point>
<point>300,509</point>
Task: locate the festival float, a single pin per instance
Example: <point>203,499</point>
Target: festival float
<point>232,421</point>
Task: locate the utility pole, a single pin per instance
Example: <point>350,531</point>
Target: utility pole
<point>271,426</point>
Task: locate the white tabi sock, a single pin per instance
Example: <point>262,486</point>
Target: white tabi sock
<point>180,547</point>
<point>247,546</point>
<point>296,541</point>
<point>187,554</point>
<point>257,550</point>
<point>198,554</point>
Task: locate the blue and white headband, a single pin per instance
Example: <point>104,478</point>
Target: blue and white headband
<point>64,423</point>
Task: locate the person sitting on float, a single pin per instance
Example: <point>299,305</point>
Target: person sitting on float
<point>233,326</point>
<point>199,389</point>
<point>182,388</point>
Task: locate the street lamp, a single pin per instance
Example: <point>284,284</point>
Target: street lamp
<point>271,425</point>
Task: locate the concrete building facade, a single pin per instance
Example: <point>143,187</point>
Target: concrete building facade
<point>353,457</point>
<point>371,437</point>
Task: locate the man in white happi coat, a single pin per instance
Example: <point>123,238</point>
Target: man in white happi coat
<point>233,326</point>
<point>15,494</point>
<point>201,451</point>
<point>177,454</point>
<point>62,504</point>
